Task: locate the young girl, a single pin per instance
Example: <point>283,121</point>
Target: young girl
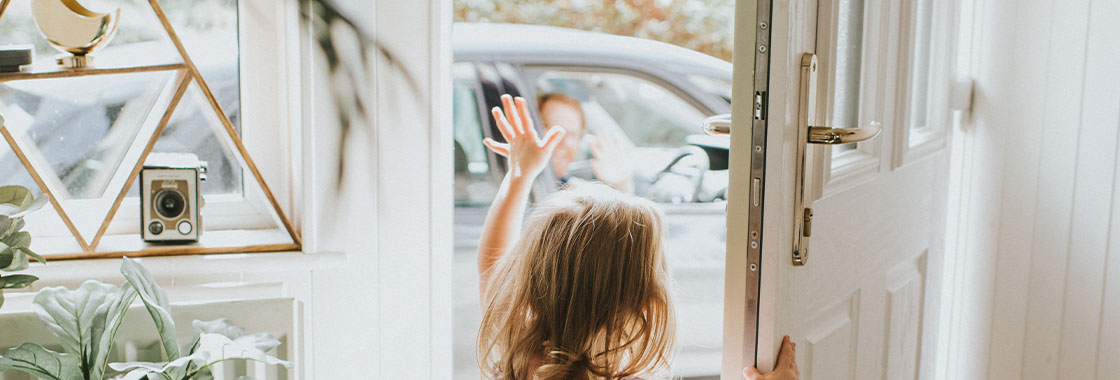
<point>583,292</point>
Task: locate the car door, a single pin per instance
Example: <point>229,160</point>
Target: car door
<point>837,242</point>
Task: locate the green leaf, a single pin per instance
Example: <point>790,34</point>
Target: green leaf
<point>40,362</point>
<point>105,326</point>
<point>19,260</point>
<point>219,348</point>
<point>17,224</point>
<point>5,222</point>
<point>81,321</point>
<point>155,300</point>
<point>16,281</point>
<point>8,209</point>
<point>176,369</point>
<point>225,327</point>
<point>16,196</point>
<point>221,326</point>
<point>35,205</point>
<point>20,239</point>
<point>6,256</point>
<point>36,256</point>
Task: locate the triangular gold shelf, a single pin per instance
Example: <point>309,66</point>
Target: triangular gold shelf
<point>187,72</point>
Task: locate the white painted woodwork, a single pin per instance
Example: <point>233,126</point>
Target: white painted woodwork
<point>1045,123</point>
<point>867,305</point>
<point>735,344</point>
<point>375,277</point>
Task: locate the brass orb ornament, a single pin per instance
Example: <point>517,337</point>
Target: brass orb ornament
<point>74,29</point>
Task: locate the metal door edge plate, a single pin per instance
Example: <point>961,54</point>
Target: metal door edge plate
<point>758,173</point>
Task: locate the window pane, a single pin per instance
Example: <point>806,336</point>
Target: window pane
<point>474,184</point>
<point>920,77</point>
<point>650,129</point>
<point>645,112</point>
<point>81,135</point>
<point>849,48</point>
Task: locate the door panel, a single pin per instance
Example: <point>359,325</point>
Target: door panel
<point>860,307</point>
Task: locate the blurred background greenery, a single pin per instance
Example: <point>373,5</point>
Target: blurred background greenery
<point>702,25</point>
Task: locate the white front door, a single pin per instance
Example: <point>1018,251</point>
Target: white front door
<point>861,295</point>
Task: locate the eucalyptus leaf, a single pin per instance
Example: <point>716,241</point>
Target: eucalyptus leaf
<point>5,222</point>
<point>20,239</point>
<point>155,300</point>
<point>36,256</point>
<point>9,209</point>
<point>16,226</point>
<point>42,363</point>
<point>6,255</point>
<point>16,281</point>
<point>16,196</point>
<point>20,260</point>
<point>35,205</point>
<point>81,321</point>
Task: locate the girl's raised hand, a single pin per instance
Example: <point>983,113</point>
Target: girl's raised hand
<point>527,153</point>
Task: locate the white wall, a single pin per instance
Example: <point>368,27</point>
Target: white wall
<point>374,280</point>
<point>1040,294</point>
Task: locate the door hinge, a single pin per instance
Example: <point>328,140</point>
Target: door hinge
<point>760,105</point>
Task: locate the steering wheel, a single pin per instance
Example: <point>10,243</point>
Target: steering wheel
<point>688,155</point>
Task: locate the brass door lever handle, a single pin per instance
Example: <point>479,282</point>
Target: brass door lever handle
<point>721,125</point>
<point>835,136</point>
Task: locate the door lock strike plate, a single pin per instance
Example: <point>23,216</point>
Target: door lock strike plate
<point>807,229</point>
<point>759,105</point>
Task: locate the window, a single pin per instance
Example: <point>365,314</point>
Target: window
<point>849,51</point>
<point>474,182</point>
<point>647,113</point>
<point>85,133</point>
<point>658,128</point>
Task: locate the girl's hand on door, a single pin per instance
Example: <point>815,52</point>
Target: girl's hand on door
<point>786,368</point>
<point>528,155</point>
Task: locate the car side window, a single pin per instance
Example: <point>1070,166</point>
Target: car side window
<point>474,185</point>
<point>646,112</point>
<point>652,128</point>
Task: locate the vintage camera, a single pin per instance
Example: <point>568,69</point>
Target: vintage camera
<point>170,201</point>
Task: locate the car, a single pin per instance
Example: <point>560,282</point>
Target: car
<point>651,96</point>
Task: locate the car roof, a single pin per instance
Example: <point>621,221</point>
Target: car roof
<point>537,44</point>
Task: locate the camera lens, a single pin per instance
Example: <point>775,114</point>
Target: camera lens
<point>170,203</point>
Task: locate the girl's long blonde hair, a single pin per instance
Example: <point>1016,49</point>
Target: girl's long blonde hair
<point>583,295</point>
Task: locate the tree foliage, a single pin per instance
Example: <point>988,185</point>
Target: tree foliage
<point>702,25</point>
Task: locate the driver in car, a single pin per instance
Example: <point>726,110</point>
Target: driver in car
<point>608,162</point>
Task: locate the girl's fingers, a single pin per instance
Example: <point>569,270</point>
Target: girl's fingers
<point>553,138</point>
<point>526,120</point>
<point>503,124</point>
<point>497,147</point>
<point>786,355</point>
<point>751,373</point>
<point>511,114</point>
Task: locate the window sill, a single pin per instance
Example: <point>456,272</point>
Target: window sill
<point>217,272</point>
<point>62,248</point>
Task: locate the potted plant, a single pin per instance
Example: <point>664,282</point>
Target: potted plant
<point>86,321</point>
